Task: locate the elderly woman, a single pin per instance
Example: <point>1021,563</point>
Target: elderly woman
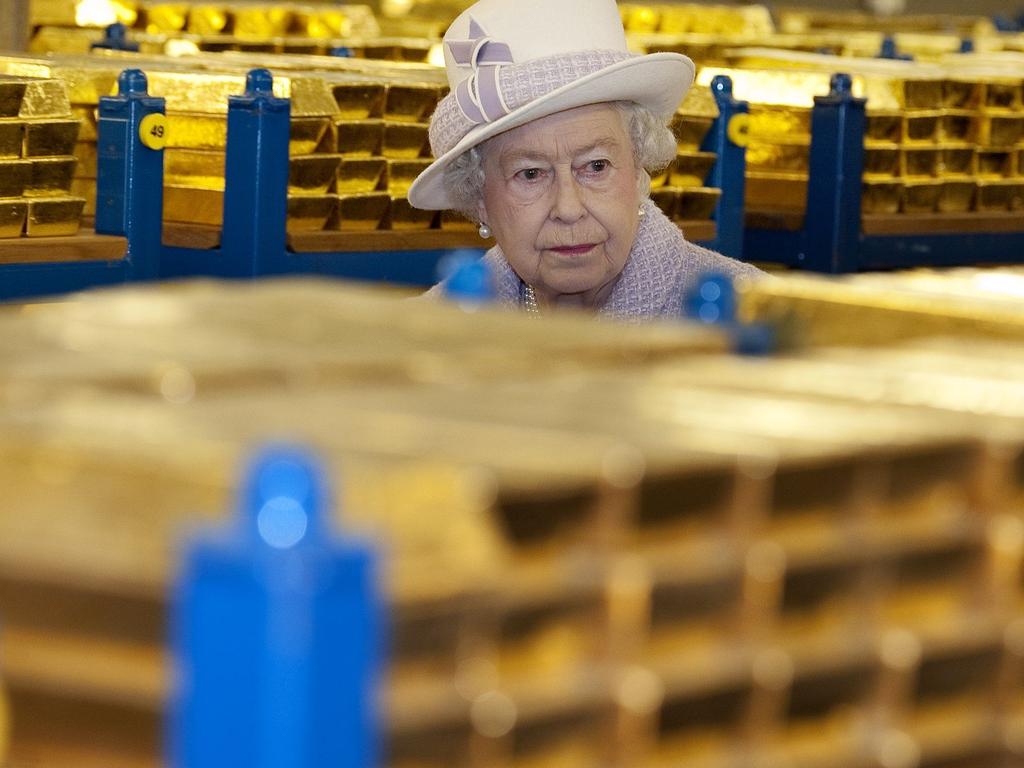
<point>547,139</point>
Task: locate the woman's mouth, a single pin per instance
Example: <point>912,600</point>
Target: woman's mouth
<point>574,250</point>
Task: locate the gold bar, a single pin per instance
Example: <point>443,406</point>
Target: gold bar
<point>993,163</point>
<point>697,203</point>
<point>207,19</point>
<point>191,205</point>
<point>363,138</point>
<point>85,188</point>
<point>1003,95</point>
<point>309,213</point>
<point>956,161</point>
<point>44,98</point>
<point>360,174</point>
<point>259,22</point>
<point>86,116</point>
<point>51,176</point>
<point>455,221</point>
<point>361,212</point>
<point>776,190</point>
<point>690,169</point>
<point>921,196</point>
<point>312,174</point>
<point>919,162</point>
<point>882,160</point>
<point>956,196</point>
<point>12,217</point>
<point>884,127</point>
<point>53,216</point>
<point>1000,195</point>
<point>405,141</point>
<point>411,103</point>
<point>12,93</point>
<point>881,196</point>
<point>203,168</point>
<point>402,173</point>
<point>403,216</point>
<point>923,94</point>
<point>11,133</point>
<point>196,131</point>
<point>690,130</point>
<point>667,199</point>
<point>958,125</point>
<point>50,137</point>
<point>961,94</point>
<point>14,177</point>
<point>85,151</point>
<point>359,101</point>
<point>791,155</point>
<point>307,135</point>
<point>996,130</point>
<point>166,17</point>
<point>921,126</point>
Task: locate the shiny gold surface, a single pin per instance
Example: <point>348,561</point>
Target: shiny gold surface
<point>14,177</point>
<point>44,98</point>
<point>777,190</point>
<point>309,213</point>
<point>86,189</point>
<point>363,138</point>
<point>203,169</point>
<point>50,137</point>
<point>689,169</point>
<point>50,176</point>
<point>1000,195</point>
<point>11,133</point>
<point>405,141</point>
<point>402,216</point>
<point>402,173</point>
<point>360,212</point>
<point>53,216</point>
<point>84,13</point>
<point>921,196</point>
<point>411,103</point>
<point>1000,130</point>
<point>957,196</point>
<point>880,196</point>
<point>361,174</point>
<point>193,205</point>
<point>792,155</point>
<point>697,203</point>
<point>85,151</point>
<point>12,216</point>
<point>11,94</point>
<point>312,174</point>
<point>359,101</point>
<point>690,130</point>
<point>919,161</point>
<point>993,163</point>
<point>166,17</point>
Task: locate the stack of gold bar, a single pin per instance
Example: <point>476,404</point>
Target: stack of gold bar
<point>939,138</point>
<point>37,138</point>
<point>681,191</point>
<point>803,20</point>
<point>598,557</point>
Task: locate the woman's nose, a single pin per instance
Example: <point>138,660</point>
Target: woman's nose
<point>568,204</point>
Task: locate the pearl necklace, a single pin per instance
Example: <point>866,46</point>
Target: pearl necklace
<point>529,300</point>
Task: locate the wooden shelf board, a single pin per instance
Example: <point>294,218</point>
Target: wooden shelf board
<point>85,246</point>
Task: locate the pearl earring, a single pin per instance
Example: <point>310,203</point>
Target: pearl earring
<point>641,212</point>
<point>484,231</point>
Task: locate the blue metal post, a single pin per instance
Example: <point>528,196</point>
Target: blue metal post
<point>256,180</point>
<point>277,632</point>
<point>115,38</point>
<point>129,174</point>
<point>831,235</point>
<point>728,172</point>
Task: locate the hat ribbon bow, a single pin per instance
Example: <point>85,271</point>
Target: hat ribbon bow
<point>479,95</point>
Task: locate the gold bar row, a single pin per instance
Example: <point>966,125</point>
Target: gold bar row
<point>36,177</point>
<point>37,138</point>
<point>40,216</point>
<point>686,203</point>
<point>32,97</point>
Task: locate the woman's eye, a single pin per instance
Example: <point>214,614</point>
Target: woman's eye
<point>597,166</point>
<point>529,174</point>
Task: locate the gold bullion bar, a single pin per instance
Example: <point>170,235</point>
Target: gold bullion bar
<point>50,137</point>
<point>12,92</point>
<point>165,17</point>
<point>667,199</point>
<point>768,122</point>
<point>919,161</point>
<point>312,174</point>
<point>1000,195</point>
<point>776,190</point>
<point>11,133</point>
<point>881,160</point>
<point>790,155</point>
<point>884,127</point>
<point>1003,94</point>
<point>961,94</point>
<point>191,205</point>
<point>402,216</point>
<point>360,174</point>
<point>690,169</point>
<point>410,102</point>
<point>957,196</point>
<point>259,22</point>
<point>455,221</point>
<point>405,49</point>
<point>881,196</point>
<point>307,135</point>
<point>53,216</point>
<point>14,177</point>
<point>85,188</point>
<point>958,125</point>
<point>690,130</point>
<point>361,212</point>
<point>921,126</point>
<point>359,101</point>
<point>12,216</point>
<point>51,176</point>
<point>85,151</point>
<point>993,163</point>
<point>86,116</point>
<point>44,98</point>
<point>1000,130</point>
<point>207,19</point>
<point>957,160</point>
<point>309,213</point>
<point>697,203</point>
<point>361,138</point>
<point>402,173</point>
<point>405,141</point>
<point>203,168</point>
<point>85,78</point>
<point>921,196</point>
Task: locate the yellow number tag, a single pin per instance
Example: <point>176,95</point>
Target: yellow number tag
<point>153,131</point>
<point>738,129</point>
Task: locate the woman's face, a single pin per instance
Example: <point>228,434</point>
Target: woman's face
<point>561,196</point>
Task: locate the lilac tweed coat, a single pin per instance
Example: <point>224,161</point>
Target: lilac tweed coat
<point>661,269</point>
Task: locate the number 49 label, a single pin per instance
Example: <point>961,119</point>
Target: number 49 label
<point>153,131</point>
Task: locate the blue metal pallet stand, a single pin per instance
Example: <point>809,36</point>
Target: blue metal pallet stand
<point>727,139</point>
<point>277,632</point>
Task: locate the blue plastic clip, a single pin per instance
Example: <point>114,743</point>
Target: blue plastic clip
<point>342,51</point>
<point>888,50</point>
<point>713,301</point>
<point>115,38</point>
<point>966,45</point>
<point>277,632</point>
<point>466,278</point>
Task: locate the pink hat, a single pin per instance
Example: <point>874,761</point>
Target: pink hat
<point>513,61</point>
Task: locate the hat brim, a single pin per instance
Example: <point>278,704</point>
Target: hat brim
<point>657,81</point>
